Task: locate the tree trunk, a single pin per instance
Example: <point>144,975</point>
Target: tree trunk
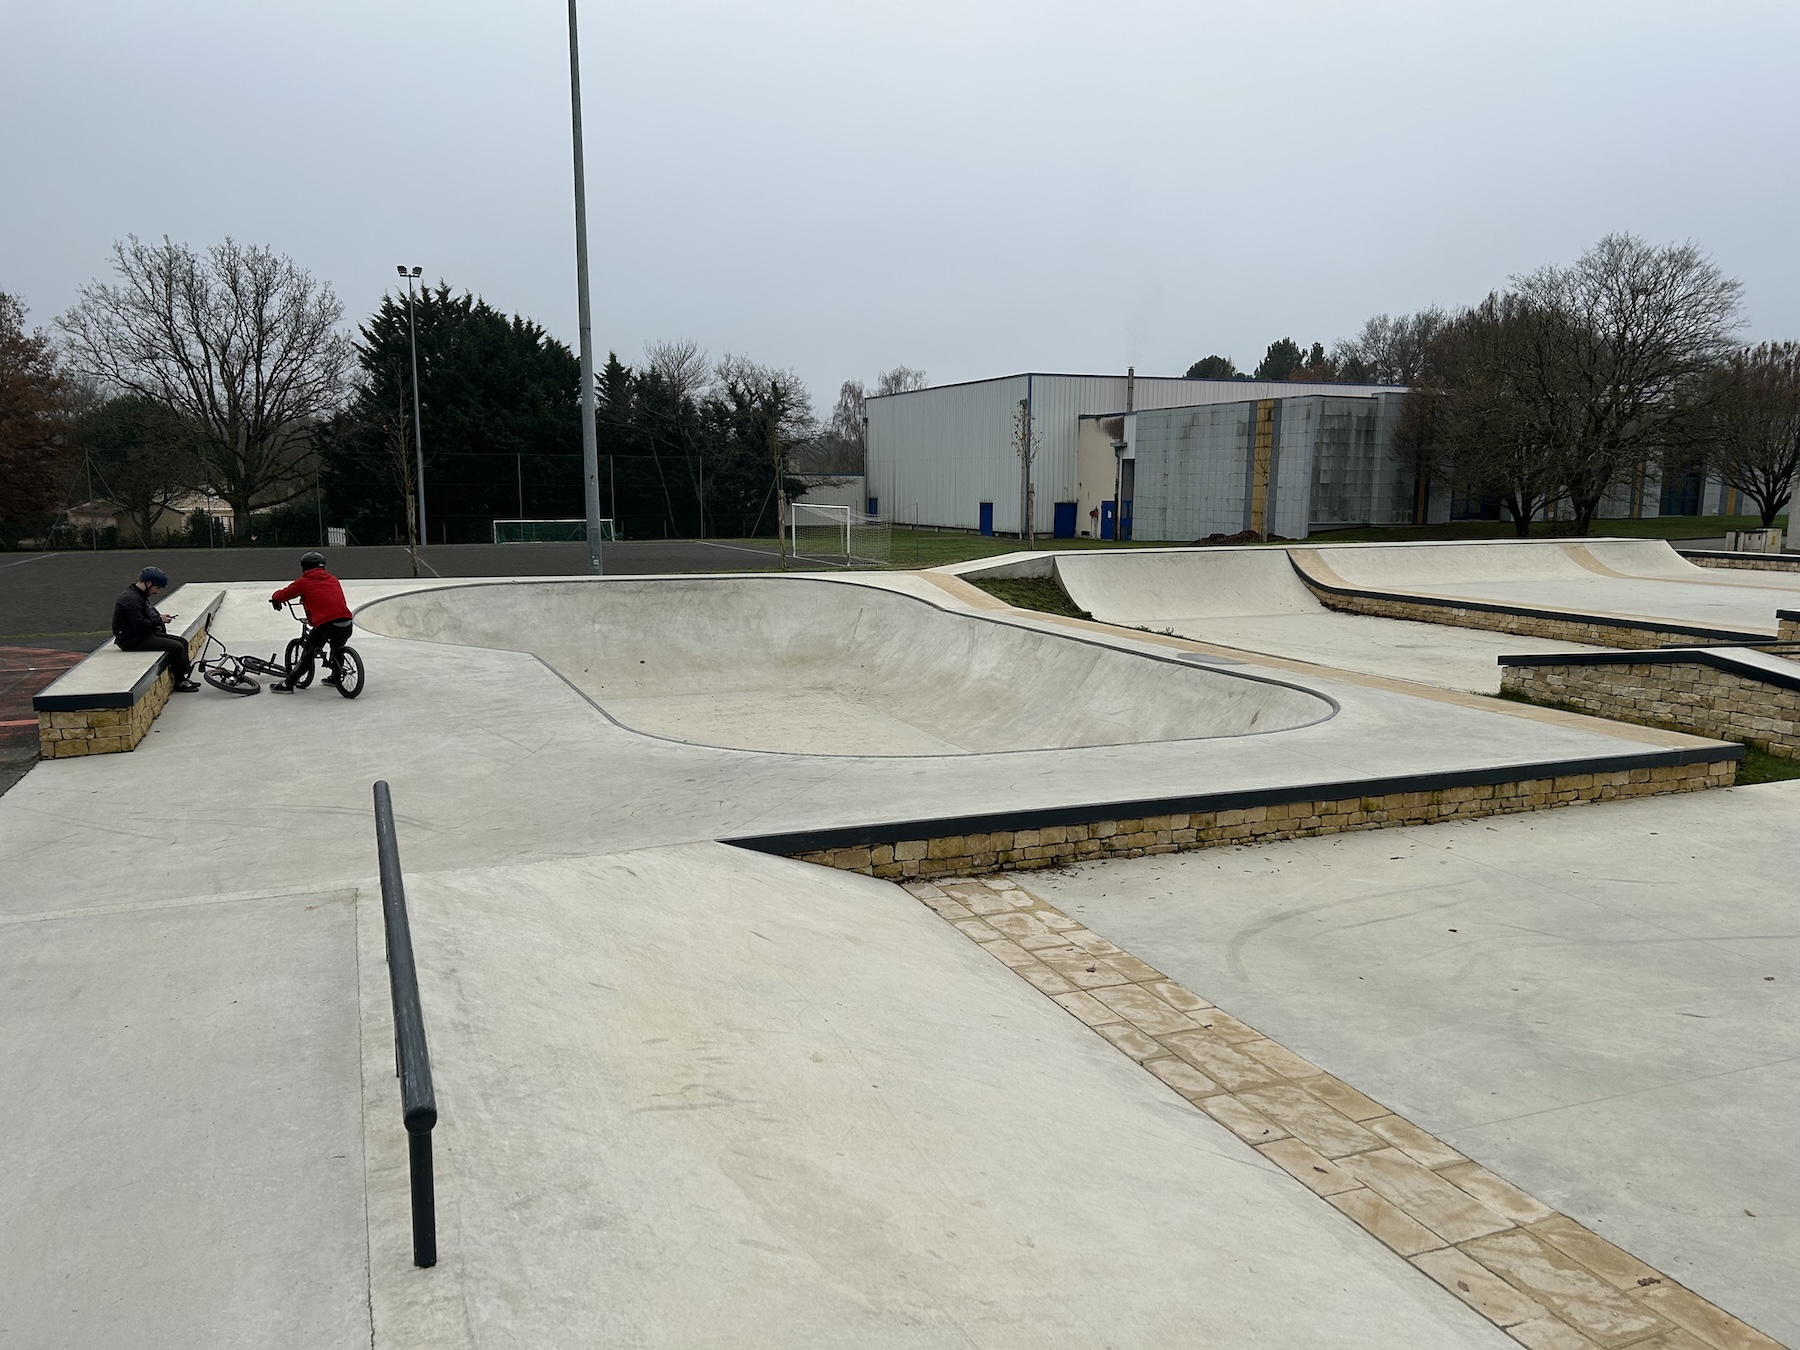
<point>240,523</point>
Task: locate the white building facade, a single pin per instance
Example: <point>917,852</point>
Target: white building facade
<point>948,456</point>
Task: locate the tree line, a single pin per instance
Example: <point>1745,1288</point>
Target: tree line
<point>1577,384</point>
<point>227,378</point>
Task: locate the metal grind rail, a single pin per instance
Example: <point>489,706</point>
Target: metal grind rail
<point>412,1062</point>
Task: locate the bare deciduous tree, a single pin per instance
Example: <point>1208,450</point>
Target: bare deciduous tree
<point>241,341</point>
<point>900,380</point>
<point>681,365</point>
<point>1622,344</point>
<point>1390,349</point>
<point>1753,427</point>
<point>146,457</point>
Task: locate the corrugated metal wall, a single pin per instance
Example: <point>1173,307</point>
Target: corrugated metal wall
<point>936,454</point>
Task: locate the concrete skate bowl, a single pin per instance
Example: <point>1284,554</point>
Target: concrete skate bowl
<point>1639,579</point>
<point>1251,599</point>
<point>811,666</point>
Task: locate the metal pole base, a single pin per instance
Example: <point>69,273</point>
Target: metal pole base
<point>424,1200</point>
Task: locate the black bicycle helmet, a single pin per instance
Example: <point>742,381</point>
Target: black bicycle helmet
<point>310,560</point>
<point>155,576</point>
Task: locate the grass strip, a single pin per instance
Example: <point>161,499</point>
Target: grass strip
<point>1039,593</point>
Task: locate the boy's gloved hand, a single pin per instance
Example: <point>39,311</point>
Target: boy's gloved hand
<point>275,605</point>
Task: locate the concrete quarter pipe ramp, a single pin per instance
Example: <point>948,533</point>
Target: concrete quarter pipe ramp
<point>1641,580</point>
<point>1252,599</point>
<point>819,667</point>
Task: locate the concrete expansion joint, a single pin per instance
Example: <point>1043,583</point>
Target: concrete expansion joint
<point>1550,1282</point>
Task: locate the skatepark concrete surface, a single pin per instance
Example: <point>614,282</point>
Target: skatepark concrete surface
<point>1251,598</point>
<point>1601,1006</point>
<point>1626,578</point>
<point>689,1094</point>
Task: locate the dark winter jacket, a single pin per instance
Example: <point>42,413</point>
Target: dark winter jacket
<point>134,618</point>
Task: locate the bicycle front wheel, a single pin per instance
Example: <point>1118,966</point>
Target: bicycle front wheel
<point>350,673</point>
<point>232,682</point>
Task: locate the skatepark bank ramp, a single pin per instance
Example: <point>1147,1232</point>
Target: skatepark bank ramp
<point>814,666</point>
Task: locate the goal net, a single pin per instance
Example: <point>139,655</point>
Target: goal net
<point>548,531</point>
<point>839,535</point>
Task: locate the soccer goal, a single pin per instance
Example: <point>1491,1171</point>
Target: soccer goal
<point>548,531</point>
<point>839,535</point>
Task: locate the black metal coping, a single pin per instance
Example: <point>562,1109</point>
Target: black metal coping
<point>118,698</point>
<point>1728,635</point>
<point>1793,615</point>
<point>1662,656</point>
<point>894,832</point>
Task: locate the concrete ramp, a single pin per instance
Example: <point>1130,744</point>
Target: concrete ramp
<point>828,667</point>
<point>1642,582</point>
<point>1252,599</point>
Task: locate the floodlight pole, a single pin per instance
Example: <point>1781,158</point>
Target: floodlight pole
<point>412,333</point>
<point>590,450</point>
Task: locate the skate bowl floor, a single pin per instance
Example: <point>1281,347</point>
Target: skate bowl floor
<point>815,666</point>
<point>1252,599</point>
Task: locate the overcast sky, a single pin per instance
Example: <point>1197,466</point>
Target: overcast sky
<point>971,187</point>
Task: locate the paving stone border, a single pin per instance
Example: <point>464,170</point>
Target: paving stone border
<point>1548,1281</point>
<point>1701,692</point>
<point>1051,838</point>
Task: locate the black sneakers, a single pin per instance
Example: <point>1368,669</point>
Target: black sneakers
<point>186,687</point>
<point>281,687</point>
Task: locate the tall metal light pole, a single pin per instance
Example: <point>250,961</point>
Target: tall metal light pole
<point>418,433</point>
<point>590,451</point>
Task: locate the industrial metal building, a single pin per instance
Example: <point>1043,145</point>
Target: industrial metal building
<point>1184,458</point>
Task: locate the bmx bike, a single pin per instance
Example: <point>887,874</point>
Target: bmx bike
<point>233,674</point>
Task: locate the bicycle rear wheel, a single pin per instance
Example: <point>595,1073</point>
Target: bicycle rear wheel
<point>232,682</point>
<point>299,671</point>
<point>350,673</point>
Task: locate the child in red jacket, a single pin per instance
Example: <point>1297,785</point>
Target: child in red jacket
<point>326,611</point>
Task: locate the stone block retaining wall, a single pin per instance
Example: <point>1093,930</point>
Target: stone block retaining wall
<point>1750,562</point>
<point>1523,623</point>
<point>1787,628</point>
<point>107,731</point>
<point>1053,846</point>
<point>1688,695</point>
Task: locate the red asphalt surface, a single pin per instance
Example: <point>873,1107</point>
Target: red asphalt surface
<point>24,671</point>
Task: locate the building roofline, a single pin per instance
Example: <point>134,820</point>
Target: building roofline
<point>1115,375</point>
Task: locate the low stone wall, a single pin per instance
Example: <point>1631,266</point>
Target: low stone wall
<point>1053,846</point>
<point>66,733</point>
<point>1685,694</point>
<point>1787,625</point>
<point>1524,623</point>
<point>1752,562</point>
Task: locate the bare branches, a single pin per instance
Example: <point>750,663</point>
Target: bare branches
<point>240,340</point>
<point>1754,424</point>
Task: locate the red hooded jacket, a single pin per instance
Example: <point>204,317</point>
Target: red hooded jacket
<point>320,593</point>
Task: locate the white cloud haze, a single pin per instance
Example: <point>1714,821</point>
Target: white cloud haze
<point>968,188</point>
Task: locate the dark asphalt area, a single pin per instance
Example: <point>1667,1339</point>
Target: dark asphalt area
<point>55,608</point>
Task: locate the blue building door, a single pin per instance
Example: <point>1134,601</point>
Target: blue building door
<point>987,517</point>
<point>1106,520</point>
<point>874,506</point>
<point>1064,527</point>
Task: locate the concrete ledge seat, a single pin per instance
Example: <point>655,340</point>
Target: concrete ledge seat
<point>106,704</point>
<point>1752,562</point>
<point>1734,693</point>
<point>1787,623</point>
